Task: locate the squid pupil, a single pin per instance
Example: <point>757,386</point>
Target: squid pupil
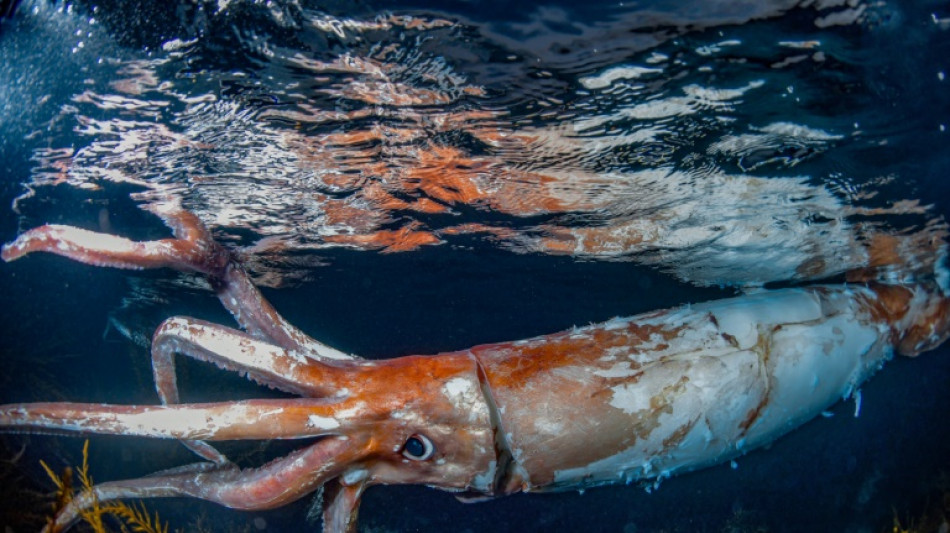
<point>415,447</point>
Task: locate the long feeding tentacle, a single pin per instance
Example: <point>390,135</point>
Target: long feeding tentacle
<point>101,249</point>
<point>192,251</point>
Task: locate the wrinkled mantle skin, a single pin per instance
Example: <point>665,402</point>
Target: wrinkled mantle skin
<point>633,398</point>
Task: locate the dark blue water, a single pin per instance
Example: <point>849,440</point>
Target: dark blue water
<point>279,124</point>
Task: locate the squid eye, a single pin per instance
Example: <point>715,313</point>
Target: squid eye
<point>418,448</point>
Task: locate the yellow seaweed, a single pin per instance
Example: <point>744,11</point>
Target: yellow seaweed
<point>134,517</point>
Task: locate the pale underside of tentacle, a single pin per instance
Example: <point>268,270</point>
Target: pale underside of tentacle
<point>260,419</point>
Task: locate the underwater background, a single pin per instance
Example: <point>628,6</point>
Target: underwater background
<point>416,177</point>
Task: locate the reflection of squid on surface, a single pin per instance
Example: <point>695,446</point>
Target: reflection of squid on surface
<point>633,398</point>
<point>704,226</point>
<point>597,175</point>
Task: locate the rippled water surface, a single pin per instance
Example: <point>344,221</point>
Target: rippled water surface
<point>413,177</point>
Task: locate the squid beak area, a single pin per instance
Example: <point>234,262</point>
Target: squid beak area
<point>341,504</point>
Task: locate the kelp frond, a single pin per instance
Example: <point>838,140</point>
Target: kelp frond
<point>64,486</point>
<point>91,515</point>
<point>135,517</point>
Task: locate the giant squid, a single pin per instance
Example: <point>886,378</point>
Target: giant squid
<point>633,398</point>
